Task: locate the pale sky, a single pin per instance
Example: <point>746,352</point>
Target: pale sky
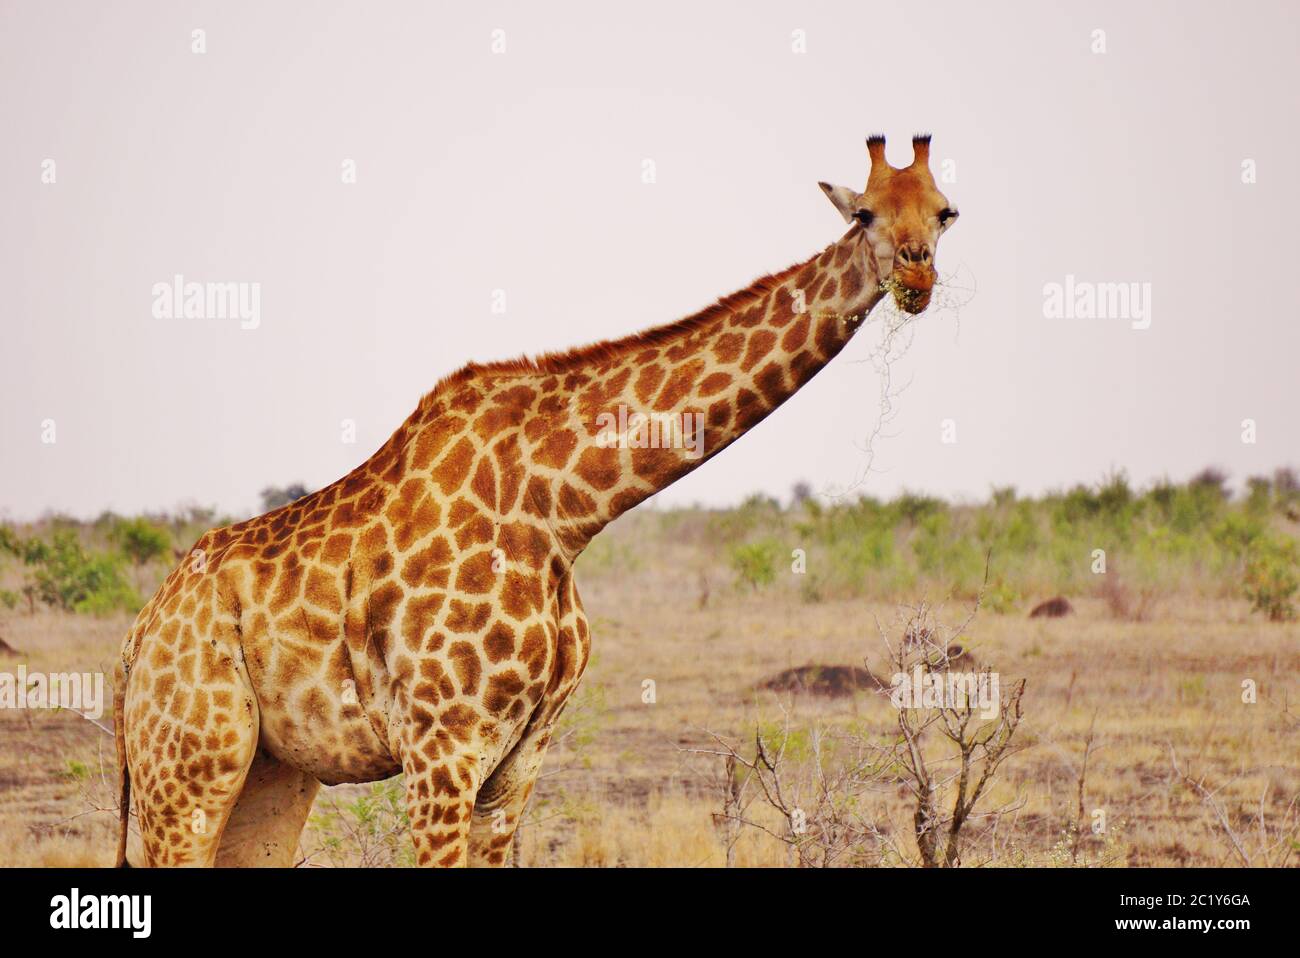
<point>523,170</point>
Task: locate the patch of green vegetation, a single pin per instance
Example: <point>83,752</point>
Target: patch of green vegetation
<point>140,540</point>
<point>1168,537</point>
<point>1273,578</point>
<point>756,512</point>
<point>793,744</point>
<point>371,831</point>
<point>580,722</point>
<point>755,562</point>
<point>1002,598</point>
<point>64,574</point>
<point>606,555</point>
<point>1192,688</point>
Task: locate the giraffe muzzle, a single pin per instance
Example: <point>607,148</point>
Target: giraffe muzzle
<point>911,285</point>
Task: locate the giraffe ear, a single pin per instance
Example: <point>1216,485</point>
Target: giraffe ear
<point>844,199</point>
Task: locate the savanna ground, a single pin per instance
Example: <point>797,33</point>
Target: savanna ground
<point>1158,723</point>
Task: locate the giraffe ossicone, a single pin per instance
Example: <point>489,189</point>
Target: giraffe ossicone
<point>419,615</point>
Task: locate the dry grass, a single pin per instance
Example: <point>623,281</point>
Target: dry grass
<point>621,790</point>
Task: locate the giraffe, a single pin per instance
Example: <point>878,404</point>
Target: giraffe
<point>419,615</point>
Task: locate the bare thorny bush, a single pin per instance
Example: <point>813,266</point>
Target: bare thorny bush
<point>824,792</point>
<point>974,722</point>
<point>816,790</point>
<point>1253,837</point>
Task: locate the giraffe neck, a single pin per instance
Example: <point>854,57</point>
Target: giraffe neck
<point>650,409</point>
<point>572,441</point>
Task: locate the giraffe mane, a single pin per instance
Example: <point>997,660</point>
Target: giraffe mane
<point>567,360</point>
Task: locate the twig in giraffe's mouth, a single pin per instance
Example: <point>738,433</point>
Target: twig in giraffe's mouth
<point>908,298</point>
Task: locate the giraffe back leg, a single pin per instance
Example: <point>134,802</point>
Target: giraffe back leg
<point>191,733</point>
<point>269,816</point>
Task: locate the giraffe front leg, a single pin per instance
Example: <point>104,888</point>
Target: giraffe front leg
<point>500,802</point>
<point>502,799</point>
<point>439,803</point>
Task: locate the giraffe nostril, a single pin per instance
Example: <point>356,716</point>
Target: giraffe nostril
<point>914,254</point>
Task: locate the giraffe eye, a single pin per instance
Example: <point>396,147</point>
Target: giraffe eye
<point>864,217</point>
<point>946,216</point>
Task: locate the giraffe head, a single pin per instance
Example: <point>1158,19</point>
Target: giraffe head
<point>902,215</point>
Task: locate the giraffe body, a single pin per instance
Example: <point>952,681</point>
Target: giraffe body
<point>285,654</point>
<point>420,615</point>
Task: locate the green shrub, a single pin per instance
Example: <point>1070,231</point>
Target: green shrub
<point>1001,598</point>
<point>1271,578</point>
<point>1259,495</point>
<point>1114,497</point>
<point>1077,505</point>
<point>755,562</point>
<point>730,526</point>
<point>1237,531</point>
<point>140,540</point>
<point>914,509</point>
<point>372,831</point>
<point>947,553</point>
<point>66,576</point>
<point>1010,530</point>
